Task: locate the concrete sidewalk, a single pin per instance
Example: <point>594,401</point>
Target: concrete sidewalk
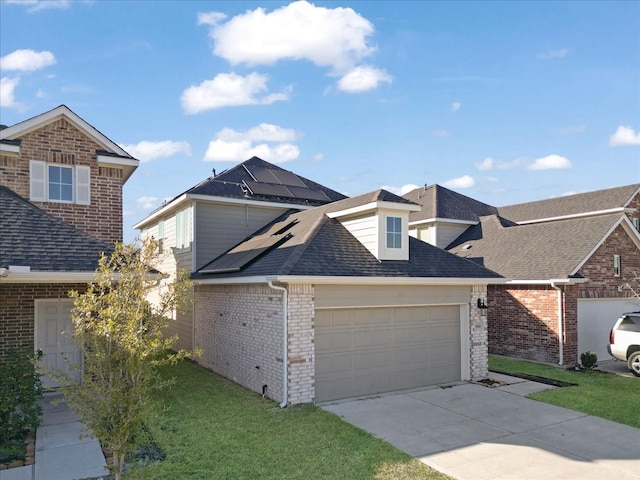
<point>64,450</point>
<point>470,431</point>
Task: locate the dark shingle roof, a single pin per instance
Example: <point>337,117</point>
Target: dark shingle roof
<point>440,202</point>
<point>321,246</point>
<point>230,184</point>
<point>571,204</point>
<point>538,251</point>
<point>32,237</point>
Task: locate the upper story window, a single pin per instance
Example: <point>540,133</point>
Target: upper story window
<point>59,183</point>
<point>394,232</point>
<point>616,265</point>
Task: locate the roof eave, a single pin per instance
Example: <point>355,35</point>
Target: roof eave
<point>329,280</point>
<point>49,277</point>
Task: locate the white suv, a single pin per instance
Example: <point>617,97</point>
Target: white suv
<point>624,341</point>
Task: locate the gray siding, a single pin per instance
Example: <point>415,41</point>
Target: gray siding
<point>328,296</point>
<point>220,227</point>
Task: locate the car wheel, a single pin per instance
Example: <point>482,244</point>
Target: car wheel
<point>634,363</point>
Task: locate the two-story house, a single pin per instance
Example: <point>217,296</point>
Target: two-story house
<point>61,186</point>
<point>568,261</point>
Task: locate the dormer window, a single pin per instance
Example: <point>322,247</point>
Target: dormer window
<point>394,232</point>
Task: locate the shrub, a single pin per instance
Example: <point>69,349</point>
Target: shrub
<point>588,360</point>
<point>20,390</point>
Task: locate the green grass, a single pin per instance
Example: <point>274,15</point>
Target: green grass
<point>600,394</point>
<point>214,429</point>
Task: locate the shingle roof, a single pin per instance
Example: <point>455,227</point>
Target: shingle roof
<point>321,246</point>
<point>33,237</point>
<point>440,202</point>
<point>538,251</point>
<point>230,184</point>
<point>599,200</point>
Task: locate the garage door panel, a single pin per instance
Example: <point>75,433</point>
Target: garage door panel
<point>388,349</point>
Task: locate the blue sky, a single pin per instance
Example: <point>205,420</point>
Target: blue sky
<point>505,102</point>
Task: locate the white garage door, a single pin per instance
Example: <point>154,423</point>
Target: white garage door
<point>364,351</point>
<point>595,319</point>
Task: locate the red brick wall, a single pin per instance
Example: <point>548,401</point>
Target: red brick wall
<point>17,311</point>
<point>60,142</point>
<point>523,320</point>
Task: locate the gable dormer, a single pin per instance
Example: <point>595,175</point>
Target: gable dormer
<point>380,221</point>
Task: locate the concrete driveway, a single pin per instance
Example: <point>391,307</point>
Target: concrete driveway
<point>471,431</point>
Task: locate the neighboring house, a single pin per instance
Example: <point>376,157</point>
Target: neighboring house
<point>567,259</point>
<point>338,301</point>
<point>60,207</point>
<point>213,216</point>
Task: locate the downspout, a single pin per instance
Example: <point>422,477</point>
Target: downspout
<point>285,346</point>
<point>560,324</point>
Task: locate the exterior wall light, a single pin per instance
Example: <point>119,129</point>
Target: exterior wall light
<point>483,307</point>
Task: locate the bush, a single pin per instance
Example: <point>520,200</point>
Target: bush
<point>588,360</point>
<point>20,390</point>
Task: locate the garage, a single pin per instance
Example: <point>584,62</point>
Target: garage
<point>364,351</point>
<point>595,319</point>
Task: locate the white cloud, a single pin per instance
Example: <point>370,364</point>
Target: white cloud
<point>229,89</point>
<point>363,78</point>
<point>27,60</point>
<point>466,181</point>
<point>400,190</point>
<point>210,18</point>
<point>263,132</point>
<point>455,106</point>
<point>624,136</point>
<point>318,157</point>
<point>550,162</point>
<point>146,151</point>
<point>560,53</point>
<point>7,88</point>
<point>37,5</point>
<point>490,164</point>
<point>147,203</point>
<point>232,146</point>
<point>440,132</point>
<point>335,37</point>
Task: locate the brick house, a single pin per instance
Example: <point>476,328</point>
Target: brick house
<point>567,260</point>
<point>61,186</point>
<point>299,296</point>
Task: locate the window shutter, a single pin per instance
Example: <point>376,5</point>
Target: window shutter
<point>37,181</point>
<point>83,183</point>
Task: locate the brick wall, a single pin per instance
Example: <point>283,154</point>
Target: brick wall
<point>301,344</point>
<point>478,335</point>
<point>17,311</point>
<point>238,328</point>
<point>523,320</point>
<point>61,143</point>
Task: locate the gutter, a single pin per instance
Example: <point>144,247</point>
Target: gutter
<point>560,324</point>
<point>285,345</point>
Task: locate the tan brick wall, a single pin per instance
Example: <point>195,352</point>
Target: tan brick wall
<point>61,143</point>
<point>301,344</point>
<point>17,311</point>
<point>239,330</point>
<point>478,335</point>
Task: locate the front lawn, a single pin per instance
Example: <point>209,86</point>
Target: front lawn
<point>601,394</point>
<point>216,429</point>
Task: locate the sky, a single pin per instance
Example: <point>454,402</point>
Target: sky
<point>505,102</point>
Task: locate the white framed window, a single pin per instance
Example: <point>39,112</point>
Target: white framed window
<point>183,228</point>
<point>394,232</point>
<point>616,265</point>
<point>59,183</point>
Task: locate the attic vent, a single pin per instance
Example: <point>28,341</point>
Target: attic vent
<point>466,247</point>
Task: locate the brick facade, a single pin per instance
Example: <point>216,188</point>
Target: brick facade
<point>17,311</point>
<point>62,143</point>
<point>523,319</point>
<point>301,351</point>
<point>478,336</point>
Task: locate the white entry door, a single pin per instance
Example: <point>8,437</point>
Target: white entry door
<point>54,338</point>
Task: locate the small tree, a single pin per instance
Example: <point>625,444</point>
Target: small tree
<point>120,334</point>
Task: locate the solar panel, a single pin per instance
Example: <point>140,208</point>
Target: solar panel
<point>288,178</point>
<point>262,174</point>
<point>247,252</point>
<point>270,189</point>
<point>306,193</point>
